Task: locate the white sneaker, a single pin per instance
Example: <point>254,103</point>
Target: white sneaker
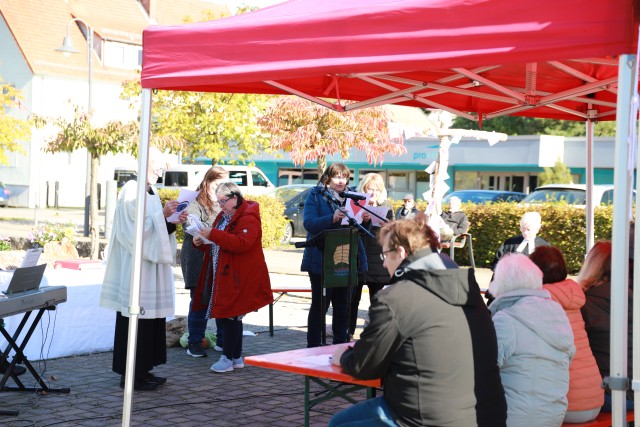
<point>238,363</point>
<point>216,347</point>
<point>223,365</point>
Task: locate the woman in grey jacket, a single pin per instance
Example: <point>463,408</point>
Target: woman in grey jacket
<point>535,344</point>
<point>430,339</point>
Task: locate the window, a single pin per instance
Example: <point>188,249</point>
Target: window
<point>122,55</point>
<point>258,179</point>
<point>238,177</point>
<point>176,178</point>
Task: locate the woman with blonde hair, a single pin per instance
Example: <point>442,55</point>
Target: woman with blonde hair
<point>376,276</point>
<point>202,212</point>
<point>595,279</point>
<point>430,339</point>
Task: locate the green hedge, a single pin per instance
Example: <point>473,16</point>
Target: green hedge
<point>271,214</point>
<point>563,225</point>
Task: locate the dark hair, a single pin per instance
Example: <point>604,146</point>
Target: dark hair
<point>550,261</point>
<point>412,234</point>
<point>213,174</point>
<point>335,170</point>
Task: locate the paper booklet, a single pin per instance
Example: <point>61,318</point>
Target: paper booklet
<point>194,227</point>
<point>31,258</point>
<point>185,197</point>
<point>354,208</point>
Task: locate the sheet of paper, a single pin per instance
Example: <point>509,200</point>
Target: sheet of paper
<point>194,226</point>
<point>354,208</point>
<point>185,197</point>
<point>380,211</point>
<point>320,359</point>
<point>31,258</point>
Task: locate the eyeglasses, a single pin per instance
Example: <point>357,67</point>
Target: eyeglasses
<point>223,202</point>
<point>339,178</point>
<point>383,255</point>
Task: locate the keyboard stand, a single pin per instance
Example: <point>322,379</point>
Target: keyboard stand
<point>19,357</point>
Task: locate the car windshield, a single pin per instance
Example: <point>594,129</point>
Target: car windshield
<point>473,197</point>
<point>570,196</point>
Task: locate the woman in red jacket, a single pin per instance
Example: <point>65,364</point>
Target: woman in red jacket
<point>585,396</point>
<point>234,279</point>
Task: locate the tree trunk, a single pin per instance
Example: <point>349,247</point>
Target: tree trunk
<point>322,165</point>
<point>93,208</point>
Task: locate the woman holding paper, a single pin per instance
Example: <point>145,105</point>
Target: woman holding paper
<point>376,276</point>
<point>234,279</point>
<point>323,210</point>
<point>201,212</point>
<point>156,281</point>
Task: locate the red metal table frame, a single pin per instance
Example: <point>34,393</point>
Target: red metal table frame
<point>310,362</point>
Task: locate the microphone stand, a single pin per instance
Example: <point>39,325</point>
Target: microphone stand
<point>351,219</point>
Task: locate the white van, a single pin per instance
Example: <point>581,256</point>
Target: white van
<point>251,180</point>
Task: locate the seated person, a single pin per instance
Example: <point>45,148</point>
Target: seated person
<point>535,344</point>
<point>408,210</point>
<point>455,218</point>
<point>585,395</point>
<point>430,338</point>
<point>595,279</point>
<point>527,242</point>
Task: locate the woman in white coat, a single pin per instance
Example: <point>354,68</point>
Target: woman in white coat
<point>535,344</point>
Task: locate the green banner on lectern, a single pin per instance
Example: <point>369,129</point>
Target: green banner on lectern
<point>340,260</point>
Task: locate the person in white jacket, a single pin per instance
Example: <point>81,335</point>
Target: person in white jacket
<point>535,344</point>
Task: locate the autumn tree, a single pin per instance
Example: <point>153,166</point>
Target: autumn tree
<point>12,129</point>
<point>213,125</point>
<point>311,132</point>
<point>114,137</point>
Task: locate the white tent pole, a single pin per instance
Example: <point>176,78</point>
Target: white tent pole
<point>589,183</point>
<point>134,298</point>
<point>622,180</point>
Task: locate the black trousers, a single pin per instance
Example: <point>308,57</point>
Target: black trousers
<point>355,302</point>
<point>338,298</point>
<point>232,346</point>
<point>151,347</point>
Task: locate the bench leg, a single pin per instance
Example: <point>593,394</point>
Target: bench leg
<point>271,319</point>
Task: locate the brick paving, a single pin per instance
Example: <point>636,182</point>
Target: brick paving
<point>193,395</point>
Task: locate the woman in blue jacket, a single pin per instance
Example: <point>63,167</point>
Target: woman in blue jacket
<point>321,213</point>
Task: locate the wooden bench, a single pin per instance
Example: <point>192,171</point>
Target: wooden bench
<point>282,291</point>
<point>602,420</point>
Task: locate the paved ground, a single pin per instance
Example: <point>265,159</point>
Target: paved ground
<point>193,395</point>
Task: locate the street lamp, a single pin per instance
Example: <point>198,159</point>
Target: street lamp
<point>67,49</point>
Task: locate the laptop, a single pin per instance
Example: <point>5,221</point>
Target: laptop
<point>26,279</point>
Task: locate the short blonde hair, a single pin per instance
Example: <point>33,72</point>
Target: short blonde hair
<point>373,180</point>
<point>515,271</point>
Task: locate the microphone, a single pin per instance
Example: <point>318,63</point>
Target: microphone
<point>350,195</point>
<point>330,197</point>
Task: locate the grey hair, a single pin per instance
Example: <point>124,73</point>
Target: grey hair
<point>531,218</point>
<point>515,271</point>
<point>229,189</point>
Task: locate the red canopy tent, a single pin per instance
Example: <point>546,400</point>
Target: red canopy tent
<point>569,59</point>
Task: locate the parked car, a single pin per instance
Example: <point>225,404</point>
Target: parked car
<point>293,197</point>
<point>573,194</point>
<point>485,196</point>
<point>4,195</point>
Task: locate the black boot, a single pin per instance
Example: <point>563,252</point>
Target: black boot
<point>140,384</point>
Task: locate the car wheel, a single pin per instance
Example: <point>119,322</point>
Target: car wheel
<point>288,234</point>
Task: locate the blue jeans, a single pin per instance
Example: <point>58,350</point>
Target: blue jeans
<point>607,403</point>
<point>197,325</point>
<point>369,413</point>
